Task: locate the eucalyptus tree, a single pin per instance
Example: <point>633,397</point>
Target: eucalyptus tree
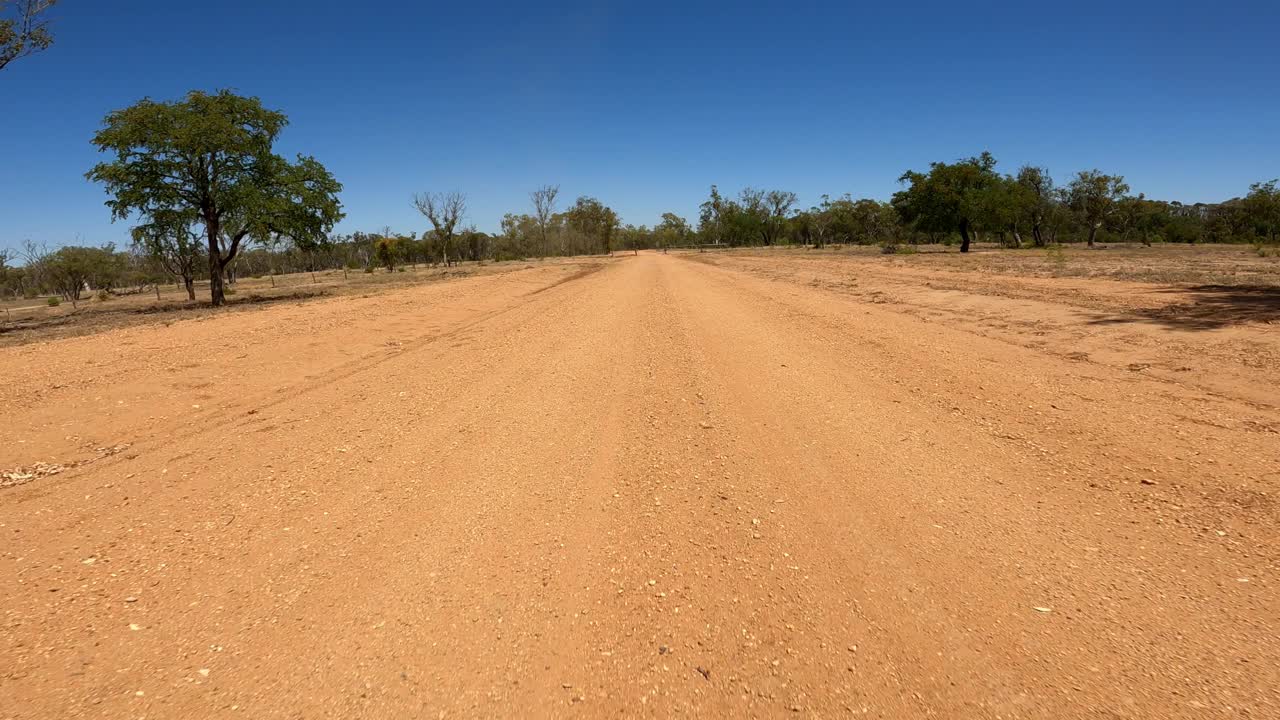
<point>813,226</point>
<point>749,217</point>
<point>1038,184</point>
<point>212,155</point>
<point>777,205</point>
<point>24,28</point>
<point>594,221</point>
<point>519,237</point>
<point>635,238</point>
<point>544,209</point>
<point>1262,209</point>
<point>444,211</point>
<point>1093,197</point>
<point>951,197</point>
<point>73,269</point>
<point>713,217</point>
<point>866,221</point>
<point>672,230</point>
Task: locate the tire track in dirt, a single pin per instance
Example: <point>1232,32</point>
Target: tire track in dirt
<point>213,422</point>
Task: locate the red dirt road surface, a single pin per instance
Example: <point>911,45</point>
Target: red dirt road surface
<point>649,486</point>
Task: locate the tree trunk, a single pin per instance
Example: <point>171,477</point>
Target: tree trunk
<point>216,294</point>
<point>964,236</point>
<point>1093,233</point>
<point>1039,236</point>
<point>1017,238</point>
<point>190,283</point>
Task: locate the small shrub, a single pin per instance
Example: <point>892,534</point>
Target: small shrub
<point>229,291</point>
<point>103,296</point>
<point>1056,254</point>
<point>399,269</point>
<point>55,302</point>
<point>368,270</point>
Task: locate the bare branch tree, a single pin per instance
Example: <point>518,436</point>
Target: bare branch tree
<point>26,32</point>
<point>544,207</point>
<point>445,211</point>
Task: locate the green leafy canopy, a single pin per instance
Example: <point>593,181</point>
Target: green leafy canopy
<point>209,158</point>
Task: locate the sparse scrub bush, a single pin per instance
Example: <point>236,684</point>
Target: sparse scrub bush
<point>1056,255</point>
<point>103,296</point>
<point>54,302</point>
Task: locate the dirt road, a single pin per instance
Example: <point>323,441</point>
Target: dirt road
<point>648,486</point>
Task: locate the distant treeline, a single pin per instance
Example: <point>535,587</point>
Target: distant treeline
<point>958,203</point>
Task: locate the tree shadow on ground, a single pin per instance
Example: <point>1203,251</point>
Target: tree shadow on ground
<point>1211,307</point>
<point>89,319</point>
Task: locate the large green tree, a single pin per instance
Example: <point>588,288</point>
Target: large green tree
<point>594,221</point>
<point>1262,209</point>
<point>212,155</point>
<point>73,269</point>
<point>24,28</point>
<point>951,197</point>
<point>672,231</point>
<point>1094,197</point>
<point>1040,196</point>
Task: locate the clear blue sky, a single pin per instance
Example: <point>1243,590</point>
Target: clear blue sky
<point>645,104</point>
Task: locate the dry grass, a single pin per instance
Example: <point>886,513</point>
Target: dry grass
<point>32,320</point>
<point>1216,265</point>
